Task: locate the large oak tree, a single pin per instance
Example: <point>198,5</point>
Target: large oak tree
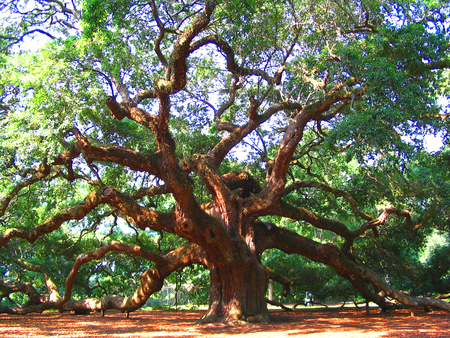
<point>220,123</point>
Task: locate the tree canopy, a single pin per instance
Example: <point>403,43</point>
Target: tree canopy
<point>142,137</point>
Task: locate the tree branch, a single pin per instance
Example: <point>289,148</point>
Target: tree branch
<point>226,144</point>
<point>177,63</point>
<point>8,287</point>
<point>20,39</point>
<point>294,133</point>
<point>372,224</point>
<point>151,280</point>
<point>143,217</point>
<point>120,155</point>
<point>76,212</point>
<point>292,243</point>
<point>51,286</point>
<point>302,214</point>
<point>286,282</point>
<point>224,125</point>
<point>39,173</point>
<point>229,55</point>
<point>334,191</point>
<point>160,36</point>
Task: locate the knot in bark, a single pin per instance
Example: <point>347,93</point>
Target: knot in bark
<point>186,225</point>
<point>107,191</point>
<point>163,86</point>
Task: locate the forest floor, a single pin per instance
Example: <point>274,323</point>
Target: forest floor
<point>311,322</point>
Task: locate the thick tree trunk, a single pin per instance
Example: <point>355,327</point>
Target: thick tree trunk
<point>238,290</point>
<point>239,296</point>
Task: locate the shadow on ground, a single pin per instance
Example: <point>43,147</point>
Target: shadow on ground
<point>338,323</point>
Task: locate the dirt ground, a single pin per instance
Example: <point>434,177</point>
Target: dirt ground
<point>314,324</point>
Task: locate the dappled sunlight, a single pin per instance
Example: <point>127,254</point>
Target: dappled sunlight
<point>312,323</point>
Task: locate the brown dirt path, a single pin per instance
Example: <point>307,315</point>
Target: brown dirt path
<point>313,324</point>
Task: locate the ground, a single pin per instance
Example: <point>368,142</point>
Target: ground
<point>314,323</point>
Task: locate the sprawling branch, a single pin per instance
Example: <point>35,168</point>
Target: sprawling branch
<point>292,243</point>
<point>284,209</point>
<point>120,155</point>
<point>286,282</point>
<point>77,212</point>
<point>294,133</point>
<point>8,287</point>
<point>302,214</point>
<point>373,223</point>
<point>101,252</point>
<point>36,267</point>
<point>151,280</point>
<point>142,216</point>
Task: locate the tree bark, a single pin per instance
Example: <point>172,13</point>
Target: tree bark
<point>239,296</point>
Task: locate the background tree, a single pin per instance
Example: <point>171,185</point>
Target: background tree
<point>140,138</point>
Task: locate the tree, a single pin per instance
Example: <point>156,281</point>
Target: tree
<point>207,122</point>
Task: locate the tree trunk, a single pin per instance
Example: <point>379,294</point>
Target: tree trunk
<point>238,295</point>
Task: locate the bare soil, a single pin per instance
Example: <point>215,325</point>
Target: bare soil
<point>314,324</point>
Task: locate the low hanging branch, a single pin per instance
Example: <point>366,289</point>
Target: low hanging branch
<point>40,268</point>
<point>77,212</point>
<point>101,252</point>
<point>286,282</point>
<point>8,287</point>
<point>290,242</point>
<point>151,280</point>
